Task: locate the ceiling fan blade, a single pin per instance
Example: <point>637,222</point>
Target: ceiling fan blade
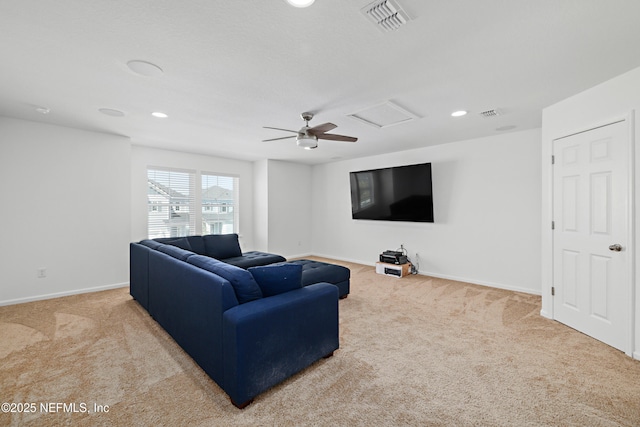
<point>286,130</point>
<point>336,137</point>
<point>276,139</point>
<point>325,127</point>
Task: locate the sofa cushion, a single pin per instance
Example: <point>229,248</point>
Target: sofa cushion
<point>150,243</point>
<point>182,243</point>
<point>221,246</point>
<point>242,281</point>
<point>254,259</point>
<point>197,244</point>
<point>175,252</point>
<point>316,272</point>
<point>275,279</point>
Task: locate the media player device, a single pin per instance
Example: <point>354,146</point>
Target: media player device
<point>393,257</point>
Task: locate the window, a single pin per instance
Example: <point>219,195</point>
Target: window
<point>171,202</point>
<point>219,196</point>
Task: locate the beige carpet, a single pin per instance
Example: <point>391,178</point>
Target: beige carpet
<point>415,351</point>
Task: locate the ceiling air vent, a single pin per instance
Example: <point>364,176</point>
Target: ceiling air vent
<point>490,113</point>
<point>386,14</point>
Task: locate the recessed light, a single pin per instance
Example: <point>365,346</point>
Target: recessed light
<point>111,112</point>
<point>458,113</point>
<point>144,68</point>
<point>159,115</point>
<point>300,3</point>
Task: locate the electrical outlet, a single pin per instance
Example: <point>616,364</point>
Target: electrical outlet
<point>42,273</point>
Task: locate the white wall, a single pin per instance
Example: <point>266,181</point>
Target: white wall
<point>283,207</point>
<point>289,208</point>
<point>143,157</point>
<point>66,208</point>
<point>261,205</point>
<point>615,99</point>
<point>486,206</point>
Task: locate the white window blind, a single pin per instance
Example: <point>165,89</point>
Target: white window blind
<point>171,202</point>
<point>219,201</point>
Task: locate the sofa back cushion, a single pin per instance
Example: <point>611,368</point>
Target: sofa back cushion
<point>242,281</point>
<point>197,244</point>
<point>150,243</point>
<point>275,279</point>
<point>190,243</point>
<point>175,252</point>
<point>221,246</point>
<point>181,242</point>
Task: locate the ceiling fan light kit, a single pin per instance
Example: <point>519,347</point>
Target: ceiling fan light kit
<point>308,142</point>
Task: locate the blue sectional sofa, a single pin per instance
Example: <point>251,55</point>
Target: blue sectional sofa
<point>248,329</point>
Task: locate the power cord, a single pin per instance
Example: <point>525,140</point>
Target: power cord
<point>414,267</point>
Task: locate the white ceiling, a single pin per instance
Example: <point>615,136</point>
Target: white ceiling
<point>233,66</point>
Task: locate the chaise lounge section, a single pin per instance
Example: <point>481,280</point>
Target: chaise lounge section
<point>316,271</point>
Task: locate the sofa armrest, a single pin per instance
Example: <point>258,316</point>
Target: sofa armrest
<point>189,303</point>
<point>268,340</point>
<point>139,274</point>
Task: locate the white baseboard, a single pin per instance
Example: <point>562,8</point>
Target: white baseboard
<point>482,283</point>
<point>355,261</point>
<point>63,294</point>
<point>636,355</point>
<point>448,277</point>
<point>544,313</point>
<point>298,256</point>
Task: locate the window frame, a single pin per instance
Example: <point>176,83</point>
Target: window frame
<point>191,205</point>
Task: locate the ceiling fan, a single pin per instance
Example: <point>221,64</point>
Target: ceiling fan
<point>307,137</point>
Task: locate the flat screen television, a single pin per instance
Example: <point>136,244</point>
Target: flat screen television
<point>401,193</point>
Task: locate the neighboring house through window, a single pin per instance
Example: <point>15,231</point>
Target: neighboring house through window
<point>171,201</point>
<point>218,199</point>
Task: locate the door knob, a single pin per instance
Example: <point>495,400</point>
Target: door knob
<point>615,248</point>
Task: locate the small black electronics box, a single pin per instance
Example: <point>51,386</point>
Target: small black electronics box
<point>393,257</point>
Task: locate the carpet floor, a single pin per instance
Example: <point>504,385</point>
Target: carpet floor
<point>416,351</point>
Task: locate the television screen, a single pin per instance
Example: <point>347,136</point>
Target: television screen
<point>402,193</point>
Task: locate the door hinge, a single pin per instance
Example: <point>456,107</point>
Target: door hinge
<point>553,291</point>
<point>553,160</point>
<point>553,225</point>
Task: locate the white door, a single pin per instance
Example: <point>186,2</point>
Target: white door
<point>591,275</point>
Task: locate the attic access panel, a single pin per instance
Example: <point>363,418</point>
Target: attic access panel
<point>384,115</point>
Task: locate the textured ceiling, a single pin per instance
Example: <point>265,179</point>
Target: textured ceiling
<point>233,66</point>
